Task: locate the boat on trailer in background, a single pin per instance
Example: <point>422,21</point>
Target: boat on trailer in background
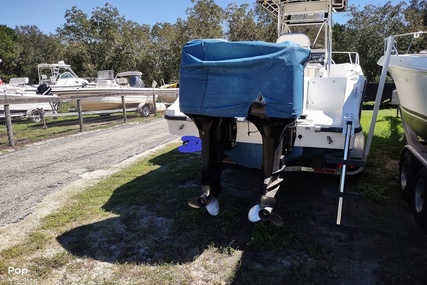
<point>103,95</point>
<point>128,84</point>
<point>251,108</point>
<point>18,89</point>
<point>60,75</point>
<point>408,67</point>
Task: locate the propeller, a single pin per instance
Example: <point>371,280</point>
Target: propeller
<point>264,213</point>
<point>213,207</point>
<point>253,214</point>
<point>205,201</point>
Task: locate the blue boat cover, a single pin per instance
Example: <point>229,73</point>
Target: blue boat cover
<point>223,79</point>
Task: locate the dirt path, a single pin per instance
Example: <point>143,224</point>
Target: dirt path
<point>32,173</point>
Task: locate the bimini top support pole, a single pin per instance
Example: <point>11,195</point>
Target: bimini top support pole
<point>390,43</point>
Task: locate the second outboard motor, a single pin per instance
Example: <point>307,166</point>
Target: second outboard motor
<point>44,89</point>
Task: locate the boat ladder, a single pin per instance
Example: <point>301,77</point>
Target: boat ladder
<point>345,161</point>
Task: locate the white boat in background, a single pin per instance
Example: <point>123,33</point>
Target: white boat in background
<point>326,137</point>
<point>18,85</point>
<point>409,71</point>
<point>108,91</point>
<point>408,67</point>
<point>60,75</point>
<point>18,88</point>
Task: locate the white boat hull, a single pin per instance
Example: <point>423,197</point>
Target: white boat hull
<point>111,102</point>
<point>329,103</point>
<point>333,87</point>
<point>133,97</point>
<point>409,73</point>
<point>29,110</point>
<point>46,106</point>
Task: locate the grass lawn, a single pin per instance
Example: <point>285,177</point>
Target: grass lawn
<point>136,228</point>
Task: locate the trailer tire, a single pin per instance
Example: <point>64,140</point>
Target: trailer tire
<point>420,207</point>
<point>36,115</point>
<point>144,110</point>
<point>408,168</point>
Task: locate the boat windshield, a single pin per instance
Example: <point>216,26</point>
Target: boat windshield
<point>136,81</point>
<point>66,75</point>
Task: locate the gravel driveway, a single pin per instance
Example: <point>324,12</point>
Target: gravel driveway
<point>31,173</point>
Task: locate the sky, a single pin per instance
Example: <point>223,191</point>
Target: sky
<point>48,15</point>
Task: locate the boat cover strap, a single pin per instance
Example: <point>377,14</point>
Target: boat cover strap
<point>223,79</point>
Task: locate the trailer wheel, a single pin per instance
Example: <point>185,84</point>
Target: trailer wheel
<point>144,110</point>
<point>36,115</point>
<point>420,208</point>
<point>408,167</point>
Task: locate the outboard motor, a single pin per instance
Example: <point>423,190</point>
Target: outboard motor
<point>44,89</point>
<point>262,82</point>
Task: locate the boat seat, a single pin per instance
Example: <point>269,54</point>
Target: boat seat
<point>104,83</point>
<point>121,81</point>
<point>313,70</point>
<point>298,38</point>
<point>19,81</point>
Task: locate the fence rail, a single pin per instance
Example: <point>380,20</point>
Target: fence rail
<point>6,102</point>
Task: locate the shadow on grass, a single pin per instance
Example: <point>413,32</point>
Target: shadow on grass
<point>156,226</point>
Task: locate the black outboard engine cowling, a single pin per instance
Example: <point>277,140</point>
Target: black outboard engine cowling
<point>44,89</point>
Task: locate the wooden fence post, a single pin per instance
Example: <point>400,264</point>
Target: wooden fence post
<point>125,119</point>
<point>9,128</point>
<point>79,110</point>
<point>155,106</point>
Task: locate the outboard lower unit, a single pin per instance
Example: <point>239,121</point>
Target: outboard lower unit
<point>261,82</point>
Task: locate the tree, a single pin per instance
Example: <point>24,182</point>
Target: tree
<point>39,48</point>
<point>103,41</point>
<point>76,35</point>
<point>205,20</point>
<point>266,24</point>
<point>9,51</point>
<point>416,20</point>
<point>107,28</point>
<point>164,55</point>
<point>106,40</point>
<point>241,23</point>
<point>368,28</point>
<point>416,15</point>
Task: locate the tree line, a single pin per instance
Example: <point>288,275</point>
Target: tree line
<point>106,40</point>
